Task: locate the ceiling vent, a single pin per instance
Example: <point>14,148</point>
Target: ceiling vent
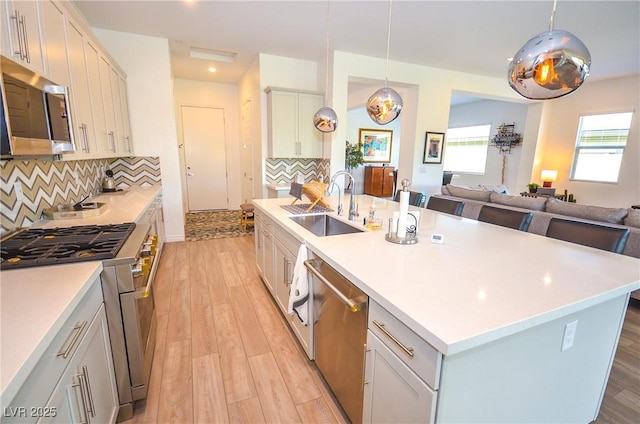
<point>216,55</point>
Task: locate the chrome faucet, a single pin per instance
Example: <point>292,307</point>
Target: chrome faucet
<point>352,199</point>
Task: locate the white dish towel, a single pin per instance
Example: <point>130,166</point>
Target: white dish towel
<point>299,291</point>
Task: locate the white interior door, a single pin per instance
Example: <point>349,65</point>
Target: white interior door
<point>247,153</point>
<point>205,158</point>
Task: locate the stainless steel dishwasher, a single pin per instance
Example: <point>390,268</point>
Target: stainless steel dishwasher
<point>340,333</point>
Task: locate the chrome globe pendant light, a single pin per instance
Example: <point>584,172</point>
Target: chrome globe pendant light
<point>325,119</point>
<point>385,104</point>
<point>552,64</point>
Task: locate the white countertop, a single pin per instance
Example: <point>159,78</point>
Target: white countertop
<point>484,283</point>
<point>35,303</point>
<point>279,187</point>
<point>120,208</point>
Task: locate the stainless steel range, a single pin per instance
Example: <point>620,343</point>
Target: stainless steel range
<point>128,254</point>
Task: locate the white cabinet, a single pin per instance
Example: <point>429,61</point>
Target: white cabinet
<point>80,93</point>
<point>21,34</point>
<point>127,143</point>
<point>75,375</point>
<point>87,390</point>
<point>54,43</point>
<point>291,131</point>
<point>392,392</point>
<point>402,372</point>
<point>284,262</point>
<point>265,250</point>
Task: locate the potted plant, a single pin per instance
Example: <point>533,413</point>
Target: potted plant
<point>353,158</point>
<point>533,187</point>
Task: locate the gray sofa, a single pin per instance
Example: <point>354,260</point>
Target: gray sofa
<point>546,208</point>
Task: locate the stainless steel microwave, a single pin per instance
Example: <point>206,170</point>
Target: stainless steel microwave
<point>35,117</point>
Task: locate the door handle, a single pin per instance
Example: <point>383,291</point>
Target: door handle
<point>355,305</point>
<point>189,173</point>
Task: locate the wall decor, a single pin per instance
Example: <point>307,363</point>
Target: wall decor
<point>506,139</point>
<point>376,145</point>
<point>433,147</point>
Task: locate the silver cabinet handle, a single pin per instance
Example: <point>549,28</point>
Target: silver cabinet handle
<point>113,141</point>
<point>407,350</point>
<point>355,305</point>
<point>20,51</point>
<point>82,398</point>
<point>79,329</point>
<point>23,21</point>
<point>86,137</point>
<point>92,407</point>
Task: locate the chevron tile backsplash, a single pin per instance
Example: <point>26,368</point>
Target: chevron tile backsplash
<point>50,183</point>
<point>284,170</point>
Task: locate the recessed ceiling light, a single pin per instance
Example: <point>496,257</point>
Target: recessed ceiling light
<point>212,69</point>
<point>212,55</point>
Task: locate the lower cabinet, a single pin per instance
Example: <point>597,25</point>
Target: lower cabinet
<point>74,380</point>
<point>392,392</point>
<point>87,391</point>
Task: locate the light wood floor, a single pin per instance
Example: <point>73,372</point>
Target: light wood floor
<point>224,354</point>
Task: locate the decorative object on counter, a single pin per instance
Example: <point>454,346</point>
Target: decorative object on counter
<point>505,140</point>
<point>296,192</point>
<point>533,187</point>
<point>213,225</point>
<point>433,147</point>
<point>85,210</point>
<point>385,104</point>
<point>375,144</point>
<point>108,183</point>
<point>403,235</point>
<point>325,119</point>
<point>315,192</point>
<point>552,64</point>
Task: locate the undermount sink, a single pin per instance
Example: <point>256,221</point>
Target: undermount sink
<point>325,225</point>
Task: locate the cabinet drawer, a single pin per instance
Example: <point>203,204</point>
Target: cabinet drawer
<point>414,351</point>
<point>38,387</point>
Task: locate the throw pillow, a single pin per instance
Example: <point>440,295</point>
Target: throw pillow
<point>594,213</point>
<point>468,193</point>
<point>633,218</point>
<point>502,189</point>
<point>531,203</point>
<point>444,190</point>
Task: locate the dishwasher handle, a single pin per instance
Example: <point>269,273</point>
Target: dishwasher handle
<point>355,305</point>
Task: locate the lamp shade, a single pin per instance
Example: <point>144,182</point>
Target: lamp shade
<point>551,64</point>
<point>384,105</point>
<point>548,176</point>
<point>325,120</point>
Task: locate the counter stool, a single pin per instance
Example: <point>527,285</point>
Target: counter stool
<point>246,215</point>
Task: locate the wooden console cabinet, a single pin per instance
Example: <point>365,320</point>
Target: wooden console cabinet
<point>378,181</point>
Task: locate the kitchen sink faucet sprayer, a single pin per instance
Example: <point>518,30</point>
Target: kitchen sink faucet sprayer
<point>352,199</point>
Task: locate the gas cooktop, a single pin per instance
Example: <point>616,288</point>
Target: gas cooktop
<point>51,246</point>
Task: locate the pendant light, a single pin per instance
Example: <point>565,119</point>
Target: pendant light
<point>552,64</point>
<point>385,104</point>
<point>325,119</point>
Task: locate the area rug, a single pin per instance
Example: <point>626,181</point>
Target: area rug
<point>214,225</point>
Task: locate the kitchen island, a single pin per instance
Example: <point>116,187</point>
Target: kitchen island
<point>495,304</point>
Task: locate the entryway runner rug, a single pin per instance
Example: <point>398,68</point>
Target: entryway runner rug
<point>214,225</point>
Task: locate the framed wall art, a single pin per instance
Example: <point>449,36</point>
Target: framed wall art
<point>433,147</point>
<point>376,145</point>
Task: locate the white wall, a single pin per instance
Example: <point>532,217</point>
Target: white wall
<point>494,113</point>
<point>147,64</point>
<point>223,96</point>
<point>558,138</point>
<point>249,91</point>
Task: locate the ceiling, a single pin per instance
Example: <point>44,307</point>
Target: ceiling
<point>470,36</point>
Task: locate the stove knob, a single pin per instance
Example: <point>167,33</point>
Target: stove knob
<point>136,269</point>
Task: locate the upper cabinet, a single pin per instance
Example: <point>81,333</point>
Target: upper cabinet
<point>291,130</point>
<point>52,39</point>
<point>21,40</point>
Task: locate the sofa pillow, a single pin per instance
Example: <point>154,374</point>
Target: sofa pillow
<point>594,213</point>
<point>444,190</point>
<point>633,218</point>
<point>468,193</point>
<point>502,189</point>
<point>531,203</point>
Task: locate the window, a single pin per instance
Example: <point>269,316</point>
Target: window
<point>599,147</point>
<point>466,149</point>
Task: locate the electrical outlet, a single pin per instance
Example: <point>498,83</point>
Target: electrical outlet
<point>569,335</point>
<point>287,169</point>
<point>75,176</point>
<point>17,187</point>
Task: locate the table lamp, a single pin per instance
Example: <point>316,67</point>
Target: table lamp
<point>548,176</point>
